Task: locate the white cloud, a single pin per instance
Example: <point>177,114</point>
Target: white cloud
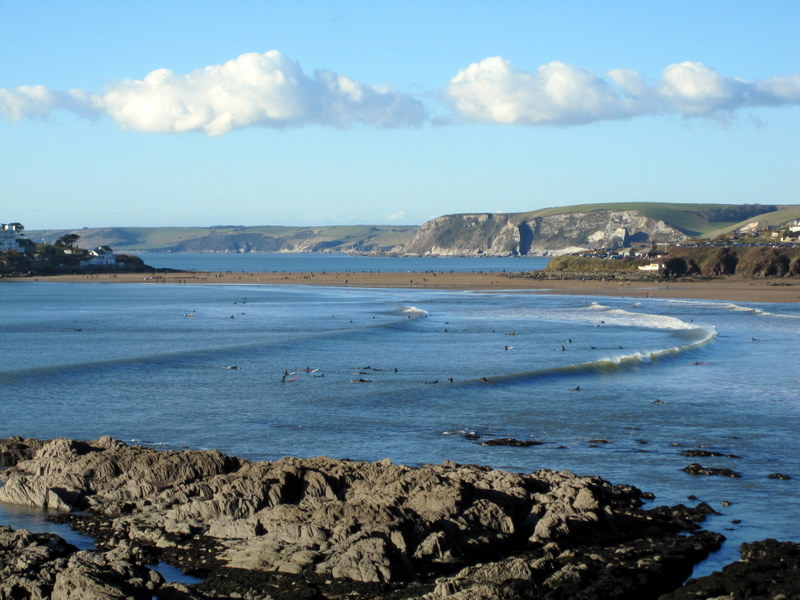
<point>495,91</point>
<point>558,94</point>
<point>271,90</point>
<point>36,101</point>
<point>253,89</point>
<point>694,89</point>
<point>397,216</point>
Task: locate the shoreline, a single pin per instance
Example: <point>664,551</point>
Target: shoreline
<point>772,290</point>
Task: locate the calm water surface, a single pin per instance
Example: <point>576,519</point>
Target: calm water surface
<point>265,262</point>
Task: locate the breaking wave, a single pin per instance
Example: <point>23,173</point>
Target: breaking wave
<point>411,312</point>
<point>732,306</point>
<point>618,316</point>
<point>699,337</point>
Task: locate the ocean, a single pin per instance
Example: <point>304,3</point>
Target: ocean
<point>616,387</point>
<point>267,262</point>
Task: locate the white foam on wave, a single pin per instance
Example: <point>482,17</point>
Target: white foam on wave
<point>758,311</point>
<point>732,306</point>
<point>413,311</point>
<point>705,335</point>
<point>701,336</point>
<point>626,318</point>
<point>597,306</point>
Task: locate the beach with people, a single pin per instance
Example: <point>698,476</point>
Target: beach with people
<point>741,289</point>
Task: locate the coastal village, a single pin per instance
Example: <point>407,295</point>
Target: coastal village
<point>19,255</point>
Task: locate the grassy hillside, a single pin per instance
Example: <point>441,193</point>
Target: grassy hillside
<point>232,238</point>
<point>772,219</point>
<point>695,220</point>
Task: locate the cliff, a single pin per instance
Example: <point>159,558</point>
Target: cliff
<point>549,231</point>
<point>524,234</point>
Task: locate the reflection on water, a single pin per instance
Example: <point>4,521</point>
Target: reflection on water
<point>35,521</point>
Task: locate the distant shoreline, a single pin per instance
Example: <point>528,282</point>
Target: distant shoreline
<point>732,289</point>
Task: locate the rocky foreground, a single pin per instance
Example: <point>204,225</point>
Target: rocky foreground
<point>325,528</point>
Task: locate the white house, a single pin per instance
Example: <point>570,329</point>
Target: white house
<point>9,237</point>
<point>102,256</point>
<point>652,267</point>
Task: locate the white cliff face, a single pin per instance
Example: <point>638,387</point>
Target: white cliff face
<point>505,234</point>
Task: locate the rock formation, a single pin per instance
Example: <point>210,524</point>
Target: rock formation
<point>43,566</point>
<point>323,525</point>
<point>767,569</point>
<point>499,234</point>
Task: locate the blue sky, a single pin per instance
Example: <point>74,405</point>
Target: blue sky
<point>241,112</point>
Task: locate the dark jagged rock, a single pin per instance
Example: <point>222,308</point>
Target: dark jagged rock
<point>698,469</point>
<point>780,476</point>
<point>767,570</point>
<point>15,449</point>
<point>511,442</point>
<point>319,527</point>
<point>707,453</point>
<point>43,566</point>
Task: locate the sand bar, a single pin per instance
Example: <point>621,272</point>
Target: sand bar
<point>732,289</point>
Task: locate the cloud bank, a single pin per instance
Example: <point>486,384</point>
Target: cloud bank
<point>36,101</point>
<point>271,90</point>
<point>252,90</point>
<point>494,91</point>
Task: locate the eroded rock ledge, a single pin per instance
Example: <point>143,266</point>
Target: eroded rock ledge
<point>323,528</point>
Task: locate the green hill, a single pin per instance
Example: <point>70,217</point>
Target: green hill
<point>350,238</point>
<point>695,220</point>
<point>494,233</point>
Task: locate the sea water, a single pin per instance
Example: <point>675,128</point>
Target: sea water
<point>616,387</point>
<point>289,262</point>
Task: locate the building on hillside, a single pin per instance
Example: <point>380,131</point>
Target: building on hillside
<point>657,267</point>
<point>102,256</point>
<point>9,237</point>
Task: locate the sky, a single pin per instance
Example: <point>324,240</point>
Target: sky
<point>245,112</point>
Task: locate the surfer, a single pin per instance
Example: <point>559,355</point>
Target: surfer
<point>285,375</point>
<point>575,389</point>
<point>484,380</point>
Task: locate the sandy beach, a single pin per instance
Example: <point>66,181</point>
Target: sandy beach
<point>732,289</point>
